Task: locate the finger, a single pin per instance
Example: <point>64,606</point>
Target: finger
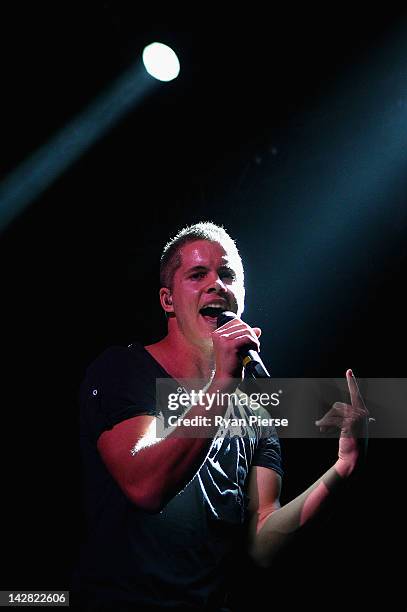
<point>239,330</point>
<point>353,388</point>
<point>336,416</point>
<point>257,331</point>
<point>343,411</point>
<point>338,409</point>
<point>247,340</point>
<point>235,333</point>
<point>355,395</point>
<point>349,411</point>
<point>230,325</point>
<point>331,421</point>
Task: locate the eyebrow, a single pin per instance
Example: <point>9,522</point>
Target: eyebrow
<point>204,268</point>
<point>196,269</point>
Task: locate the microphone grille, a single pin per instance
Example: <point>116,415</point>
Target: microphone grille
<point>224,317</point>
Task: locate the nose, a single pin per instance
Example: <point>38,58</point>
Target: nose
<point>216,285</point>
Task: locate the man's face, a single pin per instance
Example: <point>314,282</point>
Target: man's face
<point>207,276</point>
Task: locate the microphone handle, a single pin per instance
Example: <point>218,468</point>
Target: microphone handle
<point>253,365</point>
<point>251,360</point>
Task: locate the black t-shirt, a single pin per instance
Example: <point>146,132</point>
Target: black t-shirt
<point>176,559</point>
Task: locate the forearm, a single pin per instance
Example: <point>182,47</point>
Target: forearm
<point>272,528</point>
<point>272,531</point>
<point>173,460</point>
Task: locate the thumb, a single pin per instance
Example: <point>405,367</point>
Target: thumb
<point>257,331</point>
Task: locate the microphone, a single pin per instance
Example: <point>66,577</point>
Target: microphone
<point>251,361</point>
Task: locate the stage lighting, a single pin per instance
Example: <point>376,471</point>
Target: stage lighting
<point>161,62</point>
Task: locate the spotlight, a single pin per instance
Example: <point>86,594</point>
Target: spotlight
<point>161,62</point>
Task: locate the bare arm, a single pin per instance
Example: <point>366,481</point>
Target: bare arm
<point>150,470</point>
<point>272,526</point>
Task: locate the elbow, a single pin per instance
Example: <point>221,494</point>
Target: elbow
<point>263,563</point>
<point>147,501</point>
<point>263,552</point>
<point>259,560</point>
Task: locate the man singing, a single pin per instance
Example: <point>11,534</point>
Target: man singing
<point>166,514</point>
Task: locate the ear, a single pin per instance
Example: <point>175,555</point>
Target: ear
<point>166,299</point>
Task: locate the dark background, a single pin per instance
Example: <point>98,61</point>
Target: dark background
<point>240,139</point>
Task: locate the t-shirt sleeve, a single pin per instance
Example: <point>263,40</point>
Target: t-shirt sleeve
<point>118,385</point>
<point>268,454</point>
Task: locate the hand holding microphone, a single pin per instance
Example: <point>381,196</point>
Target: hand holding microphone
<point>236,345</point>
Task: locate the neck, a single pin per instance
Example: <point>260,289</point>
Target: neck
<point>182,359</point>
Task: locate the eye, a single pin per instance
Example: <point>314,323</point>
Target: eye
<point>227,274</point>
<point>197,275</point>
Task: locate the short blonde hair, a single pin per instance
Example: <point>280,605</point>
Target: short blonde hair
<point>205,230</point>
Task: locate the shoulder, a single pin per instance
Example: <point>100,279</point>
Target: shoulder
<point>118,357</point>
<point>119,367</point>
<point>119,384</point>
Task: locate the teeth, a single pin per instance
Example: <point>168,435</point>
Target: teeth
<point>212,310</point>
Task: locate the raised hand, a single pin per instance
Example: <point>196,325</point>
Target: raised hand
<point>352,420</point>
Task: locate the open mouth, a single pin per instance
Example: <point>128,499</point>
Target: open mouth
<point>211,312</point>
